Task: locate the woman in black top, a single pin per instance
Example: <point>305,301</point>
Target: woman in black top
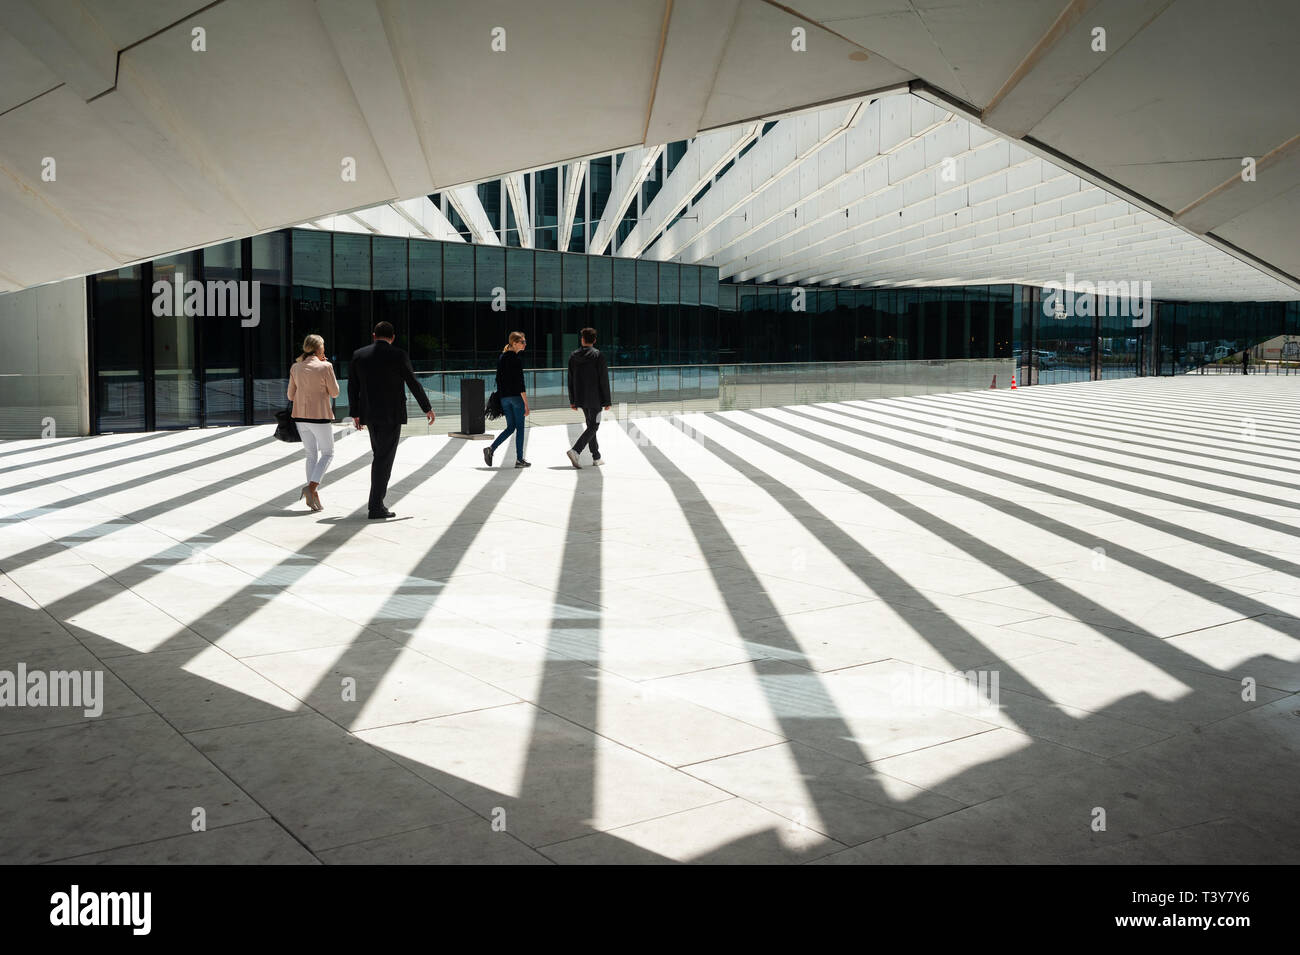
<point>514,400</point>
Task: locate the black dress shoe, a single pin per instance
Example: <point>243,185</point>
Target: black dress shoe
<point>379,515</point>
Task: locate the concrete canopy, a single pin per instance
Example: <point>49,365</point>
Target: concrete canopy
<point>893,191</point>
<point>131,130</point>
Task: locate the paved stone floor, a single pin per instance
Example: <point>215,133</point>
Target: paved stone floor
<point>732,644</point>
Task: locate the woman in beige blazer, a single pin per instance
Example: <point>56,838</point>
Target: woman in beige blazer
<point>312,386</point>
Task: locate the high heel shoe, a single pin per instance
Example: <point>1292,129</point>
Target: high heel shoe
<point>305,496</point>
<point>315,503</point>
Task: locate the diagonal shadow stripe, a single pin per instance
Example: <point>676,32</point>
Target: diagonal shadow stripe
<point>133,576</point>
<point>1150,421</point>
<point>580,571</point>
<point>140,515</point>
<point>1245,517</point>
<point>1176,397</point>
<point>1202,402</point>
<point>1172,411</point>
<point>135,482</point>
<point>972,828</point>
<point>991,434</point>
<point>1056,593</point>
<point>1128,436</point>
<point>295,566</point>
<point>94,445</point>
<point>437,563</point>
<point>817,714</point>
<point>971,411</point>
<point>945,634</point>
<point>156,507</point>
<point>1146,645</point>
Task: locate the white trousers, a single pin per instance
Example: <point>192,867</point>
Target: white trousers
<point>318,443</point>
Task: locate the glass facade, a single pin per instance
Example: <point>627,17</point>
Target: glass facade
<point>118,394</point>
<point>223,344</point>
<point>454,303</point>
<point>175,348</point>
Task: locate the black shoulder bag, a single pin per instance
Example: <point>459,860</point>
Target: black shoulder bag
<point>286,429</point>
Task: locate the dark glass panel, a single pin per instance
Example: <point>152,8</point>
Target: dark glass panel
<point>692,346</point>
<point>546,208</point>
<point>575,314</point>
<point>669,315</point>
<point>867,341</point>
<point>551,334</point>
<point>426,341</point>
<point>120,307</point>
<point>600,173</point>
<point>622,342</point>
<point>1001,327</point>
<point>830,339</point>
<point>911,321</point>
<point>747,310</point>
<point>730,320</point>
<point>489,195</point>
<point>600,298</point>
<point>710,297</point>
<point>175,339</point>
<point>390,285</point>
<point>313,292</point>
<point>520,296</point>
<point>272,349</point>
<point>223,343</point>
<point>954,323</point>
<point>458,305</point>
<point>490,323</point>
<point>352,320</point>
<point>647,323</point>
<point>792,334</point>
<point>893,341</point>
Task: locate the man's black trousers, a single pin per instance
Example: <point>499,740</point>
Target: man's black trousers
<point>588,437</point>
<point>383,443</point>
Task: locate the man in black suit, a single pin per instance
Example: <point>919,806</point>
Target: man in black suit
<point>588,390</point>
<point>377,381</point>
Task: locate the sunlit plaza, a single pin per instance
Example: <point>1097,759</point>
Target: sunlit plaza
<point>599,432</point>
<point>958,627</point>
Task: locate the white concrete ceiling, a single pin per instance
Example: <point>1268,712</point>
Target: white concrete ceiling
<point>1183,92</point>
<point>893,191</point>
<point>901,192</point>
<point>158,147</point>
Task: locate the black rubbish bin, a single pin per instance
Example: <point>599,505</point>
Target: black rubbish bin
<point>471,406</point>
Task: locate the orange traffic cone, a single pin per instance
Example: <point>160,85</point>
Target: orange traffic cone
<point>1013,382</point>
<point>995,383</point>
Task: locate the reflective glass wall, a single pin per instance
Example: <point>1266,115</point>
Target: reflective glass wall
<point>770,323</point>
<point>1190,335</point>
<point>190,364</point>
<point>195,339</point>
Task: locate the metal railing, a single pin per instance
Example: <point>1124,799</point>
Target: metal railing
<point>1255,368</point>
<point>52,405</point>
<point>678,389</point>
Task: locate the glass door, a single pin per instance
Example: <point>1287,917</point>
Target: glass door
<point>223,344</point>
<point>175,341</point>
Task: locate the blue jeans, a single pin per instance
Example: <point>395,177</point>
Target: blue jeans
<point>513,408</point>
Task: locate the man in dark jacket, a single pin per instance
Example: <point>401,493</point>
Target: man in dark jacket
<point>377,381</point>
<point>588,390</point>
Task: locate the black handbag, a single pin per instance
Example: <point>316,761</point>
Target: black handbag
<point>286,429</point>
<point>493,410</point>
